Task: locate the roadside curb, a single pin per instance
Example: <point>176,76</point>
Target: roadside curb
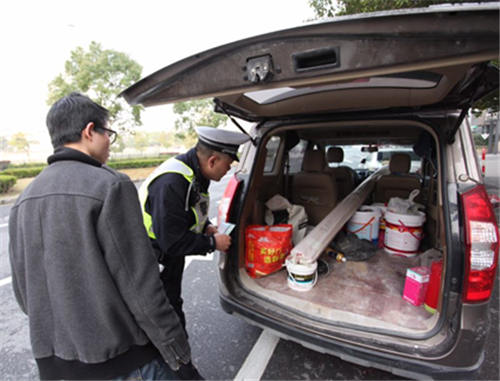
<point>8,200</point>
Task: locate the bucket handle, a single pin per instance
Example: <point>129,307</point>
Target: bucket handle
<point>364,226</point>
<point>407,229</point>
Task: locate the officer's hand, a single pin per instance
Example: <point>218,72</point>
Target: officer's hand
<point>222,242</point>
<point>211,229</point>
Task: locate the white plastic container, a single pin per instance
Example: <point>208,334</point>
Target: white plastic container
<point>301,277</point>
<point>382,208</point>
<point>365,223</point>
<point>403,233</point>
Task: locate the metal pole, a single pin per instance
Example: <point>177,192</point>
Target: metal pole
<point>489,125</point>
<point>497,134</point>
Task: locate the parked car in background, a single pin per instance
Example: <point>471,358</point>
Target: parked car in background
<point>317,94</point>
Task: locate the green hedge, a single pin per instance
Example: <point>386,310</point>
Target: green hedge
<point>31,171</point>
<point>21,173</point>
<point>136,163</point>
<point>6,182</point>
<point>27,165</point>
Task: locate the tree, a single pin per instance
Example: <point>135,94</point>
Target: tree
<point>140,140</point>
<point>4,143</point>
<point>162,138</point>
<point>198,112</point>
<point>177,140</point>
<point>101,74</point>
<point>20,143</point>
<point>331,8</point>
<point>118,146</point>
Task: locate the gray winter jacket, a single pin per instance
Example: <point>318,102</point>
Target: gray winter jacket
<point>83,268</point>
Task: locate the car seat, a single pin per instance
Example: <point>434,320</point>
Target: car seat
<point>399,183</point>
<point>345,176</point>
<point>313,188</point>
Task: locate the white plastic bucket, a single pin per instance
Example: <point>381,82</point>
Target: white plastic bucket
<point>365,223</point>
<point>403,233</point>
<point>382,208</point>
<point>301,276</point>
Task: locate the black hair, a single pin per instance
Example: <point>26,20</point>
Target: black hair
<point>69,115</point>
<point>203,150</point>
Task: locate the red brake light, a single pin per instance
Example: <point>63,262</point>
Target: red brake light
<point>227,200</point>
<point>481,245</point>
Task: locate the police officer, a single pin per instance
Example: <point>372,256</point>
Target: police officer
<point>175,203</point>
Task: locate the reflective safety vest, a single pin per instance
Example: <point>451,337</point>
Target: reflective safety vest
<point>200,209</point>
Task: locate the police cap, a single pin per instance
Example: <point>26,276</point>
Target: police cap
<point>221,140</point>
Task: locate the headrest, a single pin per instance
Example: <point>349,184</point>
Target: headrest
<point>335,155</point>
<point>400,163</point>
<point>314,161</point>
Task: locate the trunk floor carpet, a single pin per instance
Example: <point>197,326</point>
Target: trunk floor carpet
<point>372,288</point>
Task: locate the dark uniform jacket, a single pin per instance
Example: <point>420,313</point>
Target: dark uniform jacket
<point>171,222</point>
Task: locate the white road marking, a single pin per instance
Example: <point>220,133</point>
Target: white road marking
<point>256,362</point>
<point>5,281</point>
<point>3,225</point>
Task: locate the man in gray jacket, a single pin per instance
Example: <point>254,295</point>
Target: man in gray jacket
<point>83,268</point>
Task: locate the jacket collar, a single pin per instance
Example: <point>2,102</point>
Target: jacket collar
<point>65,153</point>
<point>191,159</point>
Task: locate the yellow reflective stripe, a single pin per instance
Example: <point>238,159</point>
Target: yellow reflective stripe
<point>148,224</point>
<point>172,165</point>
<point>196,220</point>
<point>146,217</point>
<point>189,176</point>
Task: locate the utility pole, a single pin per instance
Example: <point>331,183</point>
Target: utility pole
<point>495,127</point>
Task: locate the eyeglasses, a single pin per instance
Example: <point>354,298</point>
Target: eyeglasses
<point>111,134</point>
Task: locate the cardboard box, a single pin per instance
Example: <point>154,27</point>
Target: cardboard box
<point>417,279</point>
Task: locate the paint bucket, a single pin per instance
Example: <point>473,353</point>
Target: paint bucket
<point>301,276</point>
<point>432,295</point>
<point>383,208</point>
<point>365,223</point>
<point>403,233</point>
<point>381,228</point>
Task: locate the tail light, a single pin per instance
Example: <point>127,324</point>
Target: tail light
<point>226,202</point>
<point>481,245</point>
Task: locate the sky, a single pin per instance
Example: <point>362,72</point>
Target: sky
<point>38,36</point>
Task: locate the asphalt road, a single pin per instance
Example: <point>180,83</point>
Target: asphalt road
<point>223,346</point>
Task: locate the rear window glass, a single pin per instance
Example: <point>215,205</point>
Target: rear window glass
<point>357,157</point>
<point>385,156</point>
